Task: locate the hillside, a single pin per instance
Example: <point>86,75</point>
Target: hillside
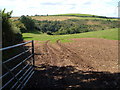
<point>61,17</point>
<point>84,15</point>
<point>81,15</point>
<point>83,63</point>
<point>105,34</point>
<point>89,59</point>
<point>64,23</point>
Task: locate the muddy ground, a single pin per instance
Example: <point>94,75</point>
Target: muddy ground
<point>83,63</point>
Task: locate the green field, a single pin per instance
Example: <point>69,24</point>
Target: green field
<point>61,17</point>
<point>111,34</point>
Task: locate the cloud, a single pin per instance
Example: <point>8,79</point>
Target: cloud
<point>51,4</point>
<point>87,3</point>
<point>32,7</point>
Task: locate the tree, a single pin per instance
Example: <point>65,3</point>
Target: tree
<point>21,26</point>
<point>10,33</point>
<point>28,23</point>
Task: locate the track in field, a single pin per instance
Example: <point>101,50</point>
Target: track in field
<point>86,63</point>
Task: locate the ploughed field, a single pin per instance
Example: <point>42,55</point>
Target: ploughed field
<point>83,63</point>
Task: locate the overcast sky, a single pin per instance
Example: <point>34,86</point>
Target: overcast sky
<point>43,7</point>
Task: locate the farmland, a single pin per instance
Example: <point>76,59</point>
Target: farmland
<point>61,17</point>
<point>64,24</point>
<point>68,59</point>
<point>59,44</point>
<point>86,60</point>
<point>65,17</point>
<point>111,34</point>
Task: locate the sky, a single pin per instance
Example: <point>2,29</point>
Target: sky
<point>43,7</point>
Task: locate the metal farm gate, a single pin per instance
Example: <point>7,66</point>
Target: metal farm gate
<point>17,76</point>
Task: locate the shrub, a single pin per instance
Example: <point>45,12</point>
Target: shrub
<point>10,33</point>
<point>49,33</point>
<point>21,26</point>
<point>28,22</point>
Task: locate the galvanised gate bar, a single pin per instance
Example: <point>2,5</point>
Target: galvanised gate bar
<point>18,76</point>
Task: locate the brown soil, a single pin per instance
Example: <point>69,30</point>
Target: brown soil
<point>86,62</point>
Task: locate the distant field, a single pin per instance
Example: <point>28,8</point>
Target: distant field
<point>14,18</point>
<point>111,34</point>
<point>50,18</point>
<point>53,18</point>
<point>61,17</point>
<point>75,14</point>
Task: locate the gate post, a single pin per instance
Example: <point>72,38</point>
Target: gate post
<point>33,52</point>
